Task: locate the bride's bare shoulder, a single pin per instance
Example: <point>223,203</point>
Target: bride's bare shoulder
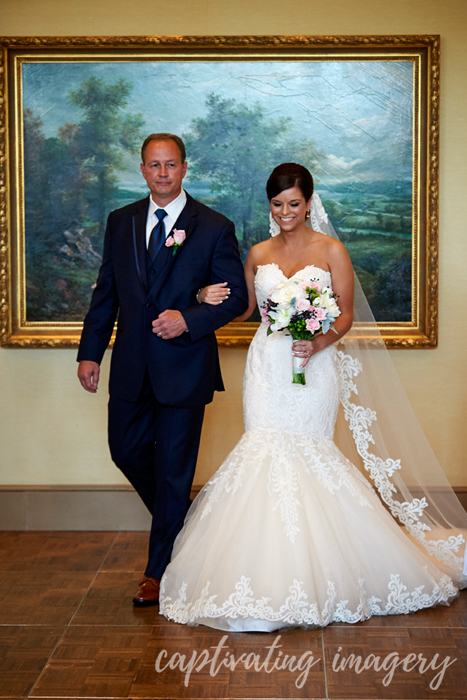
<point>331,245</point>
<point>259,252</point>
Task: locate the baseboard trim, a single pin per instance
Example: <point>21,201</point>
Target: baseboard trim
<point>93,508</point>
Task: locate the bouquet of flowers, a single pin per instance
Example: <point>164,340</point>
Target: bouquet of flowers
<point>302,308</point>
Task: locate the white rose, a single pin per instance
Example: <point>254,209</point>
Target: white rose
<point>276,294</point>
<point>333,309</point>
<point>284,292</point>
<point>325,301</point>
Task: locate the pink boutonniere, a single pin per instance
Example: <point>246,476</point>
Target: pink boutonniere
<point>175,240</point>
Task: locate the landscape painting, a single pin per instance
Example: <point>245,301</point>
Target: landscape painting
<point>349,121</point>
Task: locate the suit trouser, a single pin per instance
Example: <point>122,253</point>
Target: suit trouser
<point>156,447</point>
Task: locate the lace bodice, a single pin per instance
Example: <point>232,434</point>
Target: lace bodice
<point>270,399</point>
<point>267,276</point>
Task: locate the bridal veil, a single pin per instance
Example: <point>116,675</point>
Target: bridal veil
<point>378,431</point>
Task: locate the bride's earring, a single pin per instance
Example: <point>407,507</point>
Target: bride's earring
<point>307,214</point>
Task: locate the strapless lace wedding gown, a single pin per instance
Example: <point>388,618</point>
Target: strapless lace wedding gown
<point>288,532</point>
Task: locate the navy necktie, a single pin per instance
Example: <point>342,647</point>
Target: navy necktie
<point>157,237</point>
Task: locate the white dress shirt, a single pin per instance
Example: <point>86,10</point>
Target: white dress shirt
<point>174,209</point>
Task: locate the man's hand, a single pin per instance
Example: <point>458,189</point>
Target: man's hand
<point>88,375</point>
<point>169,324</point>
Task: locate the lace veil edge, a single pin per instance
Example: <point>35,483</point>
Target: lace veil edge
<point>378,430</point>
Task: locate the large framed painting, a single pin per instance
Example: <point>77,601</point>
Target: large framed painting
<point>360,112</point>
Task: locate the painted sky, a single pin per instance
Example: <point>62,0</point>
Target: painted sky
<point>358,112</point>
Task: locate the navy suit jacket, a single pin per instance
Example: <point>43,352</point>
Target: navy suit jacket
<point>184,371</point>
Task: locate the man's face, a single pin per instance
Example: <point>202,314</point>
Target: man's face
<point>163,171</point>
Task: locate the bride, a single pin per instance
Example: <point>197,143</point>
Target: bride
<point>288,532</point>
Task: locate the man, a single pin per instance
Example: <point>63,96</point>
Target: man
<point>158,252</point>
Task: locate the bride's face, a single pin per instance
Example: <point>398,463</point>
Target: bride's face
<point>289,208</point>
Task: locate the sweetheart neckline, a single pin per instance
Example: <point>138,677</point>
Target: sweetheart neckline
<point>327,272</point>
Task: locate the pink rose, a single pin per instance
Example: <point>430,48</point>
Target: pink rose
<point>169,241</point>
<point>302,305</point>
<point>320,314</point>
<point>312,324</point>
<point>315,285</point>
<point>179,236</point>
<point>304,285</point>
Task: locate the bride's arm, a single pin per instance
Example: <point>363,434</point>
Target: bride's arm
<point>217,293</point>
<point>250,271</point>
<point>343,286</point>
<point>213,294</point>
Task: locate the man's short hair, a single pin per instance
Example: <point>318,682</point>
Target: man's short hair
<point>164,137</point>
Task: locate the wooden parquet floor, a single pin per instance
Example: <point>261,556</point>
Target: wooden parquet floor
<point>68,630</point>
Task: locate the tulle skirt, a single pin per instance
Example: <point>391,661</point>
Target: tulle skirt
<point>289,533</point>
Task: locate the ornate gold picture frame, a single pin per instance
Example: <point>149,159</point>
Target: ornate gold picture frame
<point>361,112</point>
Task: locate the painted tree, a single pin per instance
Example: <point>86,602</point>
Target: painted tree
<point>70,186</point>
<point>235,147</point>
<point>101,140</point>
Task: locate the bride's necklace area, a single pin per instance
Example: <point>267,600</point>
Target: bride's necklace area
<point>292,269</point>
<point>298,264</point>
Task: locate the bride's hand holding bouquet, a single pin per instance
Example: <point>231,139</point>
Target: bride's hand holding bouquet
<point>304,310</point>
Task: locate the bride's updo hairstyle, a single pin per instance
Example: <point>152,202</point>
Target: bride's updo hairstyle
<point>288,175</point>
